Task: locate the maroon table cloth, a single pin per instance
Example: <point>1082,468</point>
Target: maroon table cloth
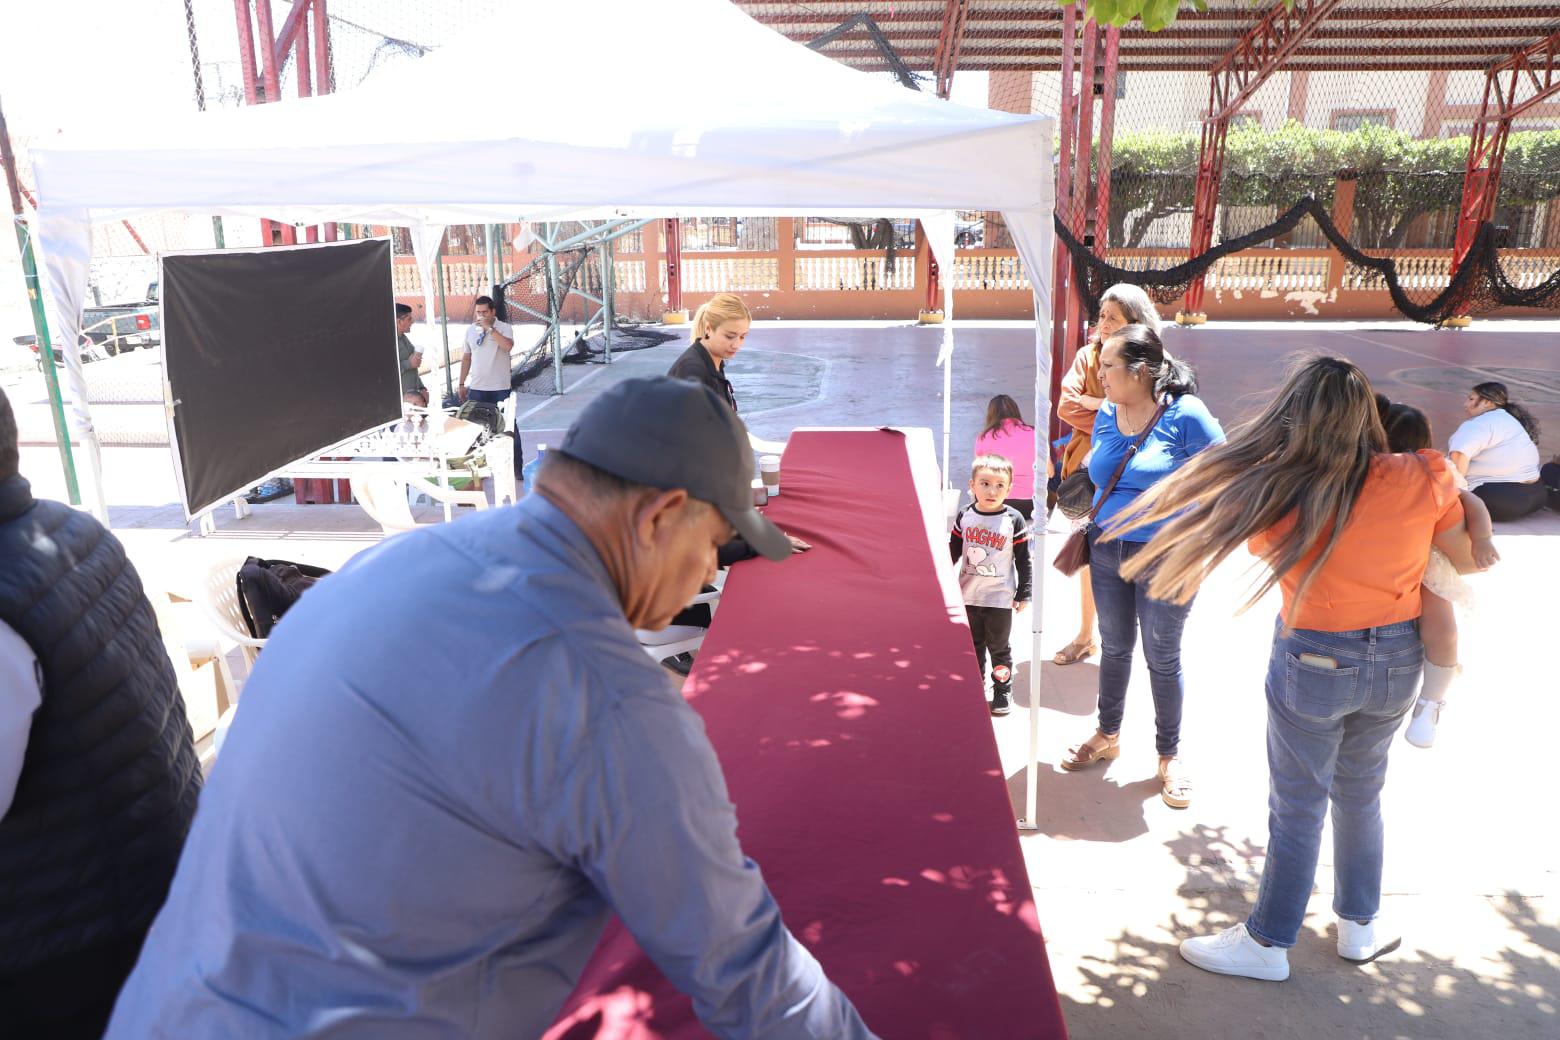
<point>841,693</point>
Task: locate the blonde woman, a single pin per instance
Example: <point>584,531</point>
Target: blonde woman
<point>1345,529</point>
<point>1080,400</point>
<point>720,328</point>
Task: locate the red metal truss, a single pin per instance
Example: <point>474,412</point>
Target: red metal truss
<point>1529,77</point>
<point>263,83</point>
<point>1261,52</point>
<point>945,62</point>
<point>950,40</point>
<point>1232,82</point>
<point>1082,194</point>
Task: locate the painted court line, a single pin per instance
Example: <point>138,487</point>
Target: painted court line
<point>558,397</point>
<point>1446,363</point>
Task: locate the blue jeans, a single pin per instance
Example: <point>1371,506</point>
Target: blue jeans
<point>1329,729</point>
<point>496,397</point>
<point>1124,607</point>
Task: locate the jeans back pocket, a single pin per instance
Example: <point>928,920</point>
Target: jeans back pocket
<point>1320,693</point>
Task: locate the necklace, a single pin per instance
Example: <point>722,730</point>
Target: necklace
<point>1137,427</point>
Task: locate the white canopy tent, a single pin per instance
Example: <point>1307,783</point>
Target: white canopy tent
<point>478,135</point>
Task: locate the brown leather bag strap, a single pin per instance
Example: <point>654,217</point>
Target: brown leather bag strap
<point>1121,467</point>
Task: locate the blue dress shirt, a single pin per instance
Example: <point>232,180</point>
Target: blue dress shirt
<point>452,762</point>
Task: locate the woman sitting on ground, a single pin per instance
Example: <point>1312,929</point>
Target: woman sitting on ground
<point>1497,451</point>
<point>1345,529</point>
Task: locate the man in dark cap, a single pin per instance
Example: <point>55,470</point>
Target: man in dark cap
<point>98,774</point>
<point>423,831</point>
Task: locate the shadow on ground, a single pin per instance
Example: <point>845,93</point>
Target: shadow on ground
<point>1144,989</point>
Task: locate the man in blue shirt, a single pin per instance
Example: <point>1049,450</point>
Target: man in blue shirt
<point>453,761</point>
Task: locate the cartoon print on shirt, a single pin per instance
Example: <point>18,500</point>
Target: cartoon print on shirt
<point>975,557</point>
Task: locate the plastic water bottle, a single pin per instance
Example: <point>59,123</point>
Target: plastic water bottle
<point>528,472</point>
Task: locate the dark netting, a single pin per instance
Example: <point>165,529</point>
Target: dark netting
<point>529,296</point>
<point>1480,285</point>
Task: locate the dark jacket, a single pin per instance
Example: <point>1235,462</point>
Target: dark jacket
<point>696,364</point>
<point>110,778</point>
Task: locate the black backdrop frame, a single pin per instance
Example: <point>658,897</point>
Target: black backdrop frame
<point>270,356</point>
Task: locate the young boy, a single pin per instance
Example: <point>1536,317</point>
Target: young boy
<point>990,543</point>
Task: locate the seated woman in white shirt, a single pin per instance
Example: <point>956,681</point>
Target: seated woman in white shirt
<point>1496,450</point>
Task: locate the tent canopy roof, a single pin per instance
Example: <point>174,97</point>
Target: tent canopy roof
<point>481,134</point>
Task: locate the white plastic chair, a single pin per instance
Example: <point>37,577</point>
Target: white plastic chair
<point>383,497</point>
<point>219,602</point>
<point>670,641</point>
<point>680,639</point>
<point>501,464</point>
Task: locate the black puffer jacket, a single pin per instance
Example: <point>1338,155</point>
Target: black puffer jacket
<point>110,778</point>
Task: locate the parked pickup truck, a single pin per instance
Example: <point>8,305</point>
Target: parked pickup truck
<point>105,331</point>
<point>123,326</point>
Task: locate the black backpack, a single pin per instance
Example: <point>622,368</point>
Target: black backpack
<point>483,413</point>
<point>267,588</point>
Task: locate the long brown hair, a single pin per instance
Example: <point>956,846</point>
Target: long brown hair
<point>1000,411</point>
<point>1307,454</point>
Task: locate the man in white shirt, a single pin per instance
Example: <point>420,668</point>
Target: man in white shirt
<point>484,367</point>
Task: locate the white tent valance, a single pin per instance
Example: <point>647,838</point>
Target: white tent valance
<point>735,120</point>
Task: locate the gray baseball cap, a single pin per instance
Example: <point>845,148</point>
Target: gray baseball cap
<point>675,433</point>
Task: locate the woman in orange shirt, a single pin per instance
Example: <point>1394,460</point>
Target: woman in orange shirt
<point>1346,529</point>
<point>1081,397</point>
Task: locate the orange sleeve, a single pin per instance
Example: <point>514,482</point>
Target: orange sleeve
<point>1262,543</point>
<point>1068,407</point>
<point>1444,494</point>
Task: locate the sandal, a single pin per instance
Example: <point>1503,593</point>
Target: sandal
<point>1175,787</point>
<point>1098,748</point>
<point>1076,651</point>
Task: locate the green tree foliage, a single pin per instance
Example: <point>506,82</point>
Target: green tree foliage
<point>1400,177</point>
<point>1154,14</point>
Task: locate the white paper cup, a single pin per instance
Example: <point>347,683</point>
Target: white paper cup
<point>769,467</point>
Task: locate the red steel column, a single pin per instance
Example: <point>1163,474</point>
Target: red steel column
<point>246,61</point>
<point>322,72</point>
<point>674,304</point>
<point>1061,267</point>
<point>1536,66</point>
<point>1205,206</point>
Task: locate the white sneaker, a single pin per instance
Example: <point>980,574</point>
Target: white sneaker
<point>1359,942</point>
<point>1421,728</point>
<point>1234,952</point>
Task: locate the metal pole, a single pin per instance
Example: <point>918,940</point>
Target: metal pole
<point>444,317</point>
<point>554,309</point>
<point>608,317</point>
<point>40,321</point>
<point>492,256</point>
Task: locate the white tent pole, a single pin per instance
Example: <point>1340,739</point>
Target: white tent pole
<point>1032,234</point>
<point>940,231</point>
<point>425,249</point>
<point>67,257</point>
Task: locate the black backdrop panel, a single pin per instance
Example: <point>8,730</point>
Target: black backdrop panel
<point>274,354</point>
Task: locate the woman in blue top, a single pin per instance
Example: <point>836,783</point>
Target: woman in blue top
<point>1138,375</point>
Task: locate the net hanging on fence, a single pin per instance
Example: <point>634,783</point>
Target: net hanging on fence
<point>529,295</point>
<point>1479,285</point>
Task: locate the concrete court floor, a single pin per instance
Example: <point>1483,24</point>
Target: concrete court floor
<point>1119,878</point>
